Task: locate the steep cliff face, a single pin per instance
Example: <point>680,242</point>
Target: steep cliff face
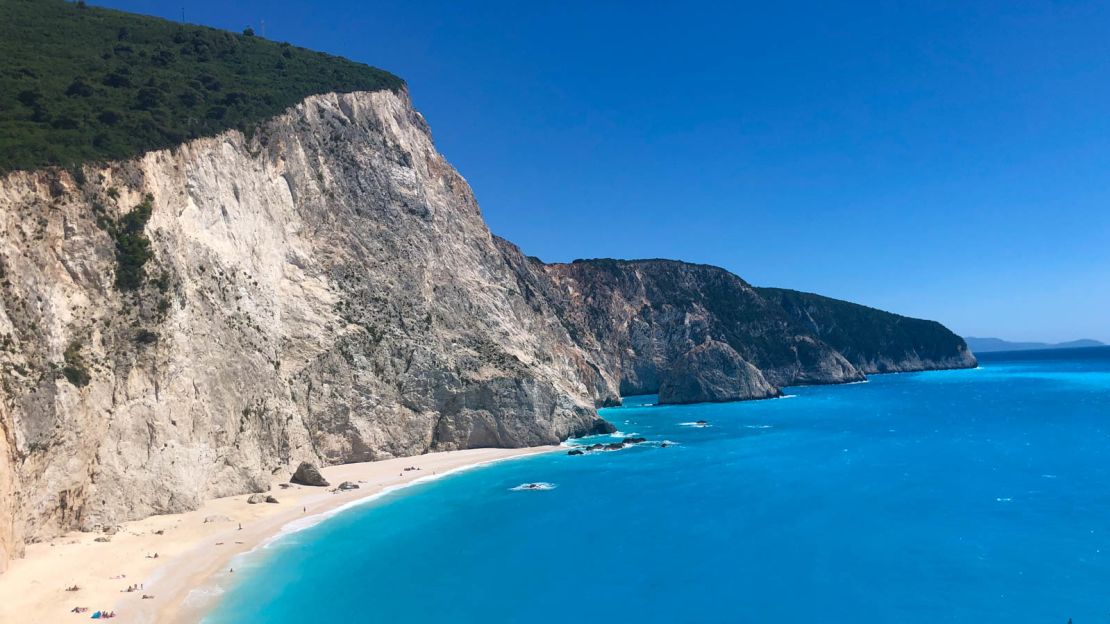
<point>713,371</point>
<point>324,290</point>
<point>11,535</point>
<point>655,324</point>
<point>641,317</point>
<point>872,340</point>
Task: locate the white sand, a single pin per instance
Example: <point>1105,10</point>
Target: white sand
<point>191,553</point>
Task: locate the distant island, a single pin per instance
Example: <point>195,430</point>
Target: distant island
<point>987,345</point>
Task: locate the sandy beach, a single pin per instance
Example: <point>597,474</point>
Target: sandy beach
<point>193,554</point>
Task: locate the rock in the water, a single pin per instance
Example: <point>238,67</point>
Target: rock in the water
<point>599,427</point>
<point>576,452</point>
<point>254,499</point>
<point>713,371</point>
<point>613,446</point>
<point>347,485</point>
<point>307,474</point>
<point>216,518</point>
<point>633,440</point>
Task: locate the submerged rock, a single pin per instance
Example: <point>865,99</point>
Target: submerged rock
<point>576,452</point>
<point>307,474</point>
<point>633,440</point>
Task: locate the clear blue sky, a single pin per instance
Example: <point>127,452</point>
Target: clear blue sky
<point>949,160</point>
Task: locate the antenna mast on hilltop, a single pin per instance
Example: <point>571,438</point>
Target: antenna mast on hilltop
<point>263,29</point>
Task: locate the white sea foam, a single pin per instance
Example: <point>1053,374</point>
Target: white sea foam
<point>296,526</point>
<point>1004,500</point>
<point>202,595</point>
<point>694,424</point>
<point>533,487</point>
<point>1048,476</point>
<point>787,396</point>
<point>758,426</point>
<point>207,593</point>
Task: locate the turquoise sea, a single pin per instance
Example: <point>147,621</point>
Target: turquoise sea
<point>956,496</point>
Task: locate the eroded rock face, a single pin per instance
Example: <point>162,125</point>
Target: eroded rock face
<point>325,291</point>
<point>11,533</point>
<point>713,371</point>
<point>640,319</point>
<point>872,340</point>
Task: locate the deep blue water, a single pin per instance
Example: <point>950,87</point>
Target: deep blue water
<point>957,496</point>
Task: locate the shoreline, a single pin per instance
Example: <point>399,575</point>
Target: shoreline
<point>194,556</point>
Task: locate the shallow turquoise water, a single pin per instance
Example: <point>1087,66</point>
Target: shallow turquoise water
<point>956,496</point>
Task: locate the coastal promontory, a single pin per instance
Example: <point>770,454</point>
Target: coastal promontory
<point>188,309</point>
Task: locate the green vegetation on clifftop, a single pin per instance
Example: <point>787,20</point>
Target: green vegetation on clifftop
<point>79,83</point>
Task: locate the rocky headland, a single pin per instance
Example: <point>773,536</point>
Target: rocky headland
<point>191,322</point>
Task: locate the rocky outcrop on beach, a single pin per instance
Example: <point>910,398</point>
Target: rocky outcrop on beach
<point>308,474</point>
<point>192,322</point>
